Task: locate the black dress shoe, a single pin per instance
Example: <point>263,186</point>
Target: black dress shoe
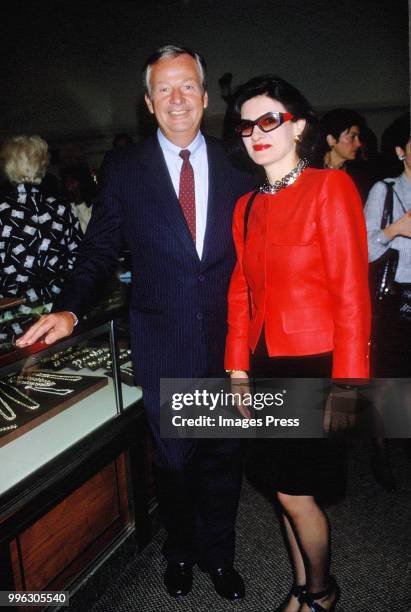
<point>227,582</point>
<point>178,579</point>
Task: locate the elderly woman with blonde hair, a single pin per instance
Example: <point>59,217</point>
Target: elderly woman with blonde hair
<point>39,236</point>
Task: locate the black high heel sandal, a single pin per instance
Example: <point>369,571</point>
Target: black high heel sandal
<point>298,591</point>
<point>332,589</point>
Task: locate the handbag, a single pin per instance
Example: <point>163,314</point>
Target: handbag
<point>404,301</point>
<point>382,271</point>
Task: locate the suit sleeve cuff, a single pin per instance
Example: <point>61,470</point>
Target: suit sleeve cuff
<point>75,317</point>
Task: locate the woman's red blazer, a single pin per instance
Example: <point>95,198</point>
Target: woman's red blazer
<point>305,261</point>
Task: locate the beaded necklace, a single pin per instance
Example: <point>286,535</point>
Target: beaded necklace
<point>288,179</point>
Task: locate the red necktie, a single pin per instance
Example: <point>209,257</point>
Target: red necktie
<point>186,193</point>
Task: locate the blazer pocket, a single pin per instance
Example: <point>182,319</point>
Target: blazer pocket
<point>311,319</point>
<point>295,234</point>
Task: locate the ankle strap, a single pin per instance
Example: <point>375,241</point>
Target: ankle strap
<point>299,591</point>
<point>314,606</point>
<point>310,598</point>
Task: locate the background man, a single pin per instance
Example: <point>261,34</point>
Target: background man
<point>171,198</point>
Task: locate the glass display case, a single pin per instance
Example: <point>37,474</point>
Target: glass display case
<point>55,396</point>
<point>76,458</point>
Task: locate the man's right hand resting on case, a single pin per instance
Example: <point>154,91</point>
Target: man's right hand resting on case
<point>49,328</point>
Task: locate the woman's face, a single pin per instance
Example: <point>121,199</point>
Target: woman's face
<point>348,143</point>
<point>271,149</point>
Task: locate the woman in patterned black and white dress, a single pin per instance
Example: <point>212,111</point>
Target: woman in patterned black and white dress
<point>39,235</point>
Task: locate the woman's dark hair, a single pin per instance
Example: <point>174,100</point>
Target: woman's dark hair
<point>289,96</point>
<point>335,122</point>
<point>397,134</point>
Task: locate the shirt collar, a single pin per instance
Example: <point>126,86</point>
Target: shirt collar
<point>405,181</point>
<point>169,147</point>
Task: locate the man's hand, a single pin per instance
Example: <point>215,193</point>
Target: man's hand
<point>240,385</point>
<point>49,328</point>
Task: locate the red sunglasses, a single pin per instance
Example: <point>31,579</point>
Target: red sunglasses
<point>267,123</point>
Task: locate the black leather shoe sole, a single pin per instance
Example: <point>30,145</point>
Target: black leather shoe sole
<point>227,583</point>
<point>178,579</point>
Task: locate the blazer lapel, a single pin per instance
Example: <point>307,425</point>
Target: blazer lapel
<point>158,177</point>
<point>219,189</point>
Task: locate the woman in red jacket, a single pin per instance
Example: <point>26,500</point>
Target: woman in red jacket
<point>303,270</point>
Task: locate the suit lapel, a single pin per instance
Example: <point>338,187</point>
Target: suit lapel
<point>218,192</point>
<point>158,177</point>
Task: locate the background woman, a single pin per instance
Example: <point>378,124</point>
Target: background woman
<point>391,335</point>
<point>79,190</point>
<point>341,131</point>
<point>39,236</point>
<point>304,263</point>
<point>341,145</point>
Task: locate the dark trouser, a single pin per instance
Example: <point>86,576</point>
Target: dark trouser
<point>198,489</point>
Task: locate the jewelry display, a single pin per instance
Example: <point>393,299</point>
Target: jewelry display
<point>43,382</point>
<point>11,414</point>
<point>28,402</point>
<point>56,376</point>
<point>126,374</point>
<point>37,390</point>
<point>43,379</point>
<point>288,179</point>
<point>59,360</point>
<point>89,358</point>
<point>8,428</point>
<point>49,390</point>
<point>127,370</point>
<point>31,380</point>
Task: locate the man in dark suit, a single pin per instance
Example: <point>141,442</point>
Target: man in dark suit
<point>171,198</point>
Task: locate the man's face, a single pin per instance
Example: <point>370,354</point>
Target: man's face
<point>177,98</point>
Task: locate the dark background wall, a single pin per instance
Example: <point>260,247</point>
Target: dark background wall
<point>72,69</point>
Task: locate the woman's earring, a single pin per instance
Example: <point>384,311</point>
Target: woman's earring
<point>401,157</point>
<point>297,139</point>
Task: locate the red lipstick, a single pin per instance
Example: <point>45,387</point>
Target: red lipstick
<point>261,147</point>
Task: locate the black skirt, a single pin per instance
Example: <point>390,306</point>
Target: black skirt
<point>297,466</point>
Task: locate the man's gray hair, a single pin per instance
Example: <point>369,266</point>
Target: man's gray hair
<point>171,51</point>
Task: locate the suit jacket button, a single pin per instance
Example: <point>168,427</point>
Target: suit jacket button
<point>199,315</point>
<point>201,277</point>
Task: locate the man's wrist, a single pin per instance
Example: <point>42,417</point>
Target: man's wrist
<point>75,317</point>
